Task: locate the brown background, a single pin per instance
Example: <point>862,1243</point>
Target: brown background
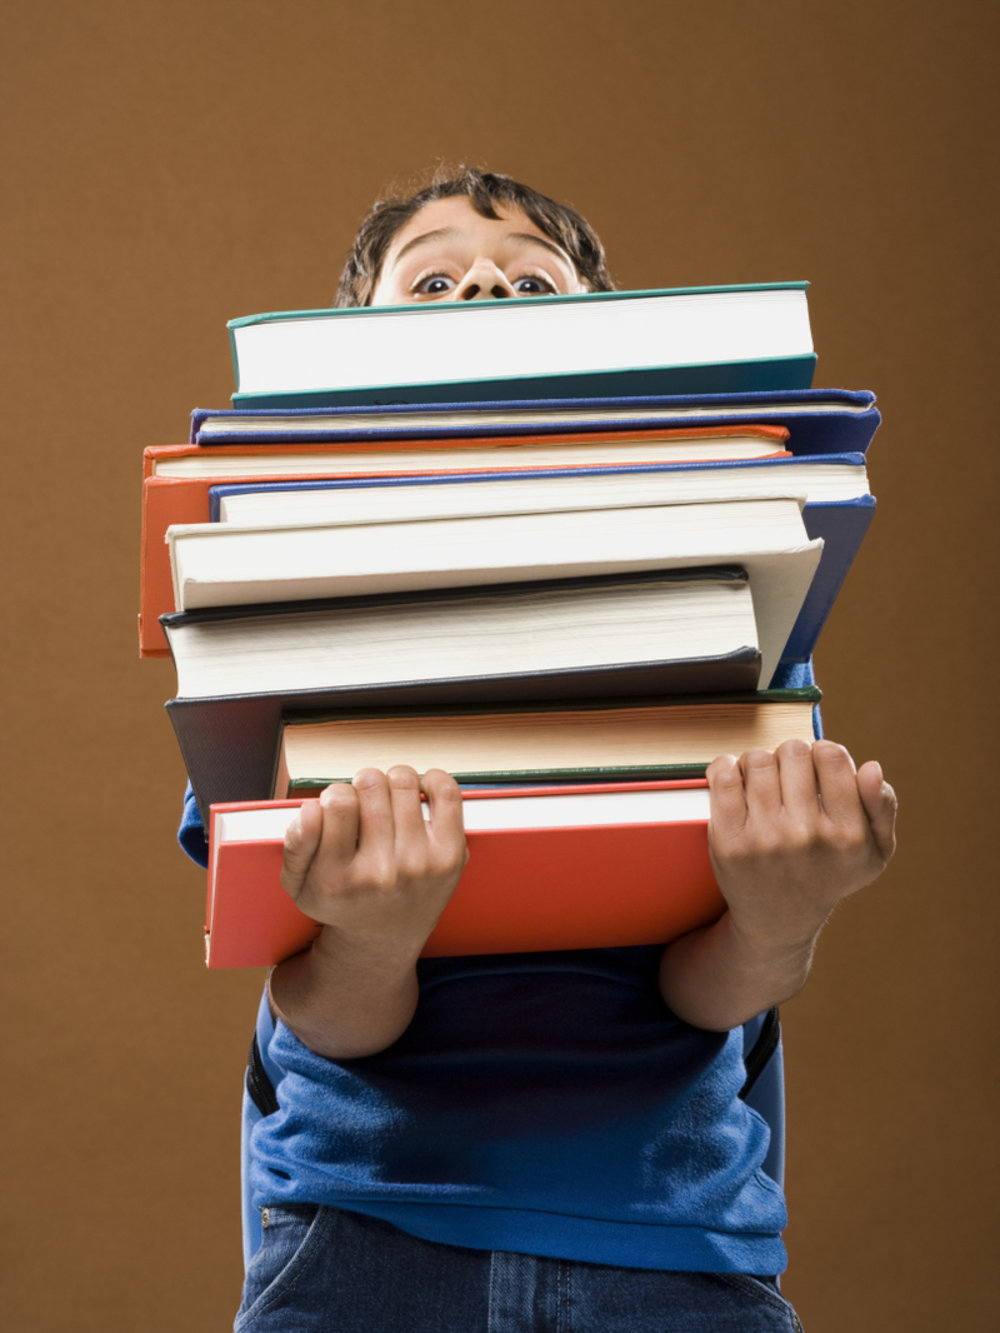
<point>169,164</point>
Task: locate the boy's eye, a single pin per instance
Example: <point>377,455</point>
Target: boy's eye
<point>435,284</point>
<point>440,284</point>
<point>531,285</point>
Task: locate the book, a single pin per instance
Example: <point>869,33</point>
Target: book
<point>554,742</point>
<point>689,340</point>
<point>239,669</point>
<point>177,478</point>
<point>821,420</point>
<point>818,478</point>
<point>220,564</point>
<point>416,455</point>
<point>557,624</point>
<point>550,868</point>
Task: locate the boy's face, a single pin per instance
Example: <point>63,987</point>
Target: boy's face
<point>449,252</point>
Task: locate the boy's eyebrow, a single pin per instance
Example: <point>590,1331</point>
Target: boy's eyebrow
<point>542,240</point>
<point>440,232</point>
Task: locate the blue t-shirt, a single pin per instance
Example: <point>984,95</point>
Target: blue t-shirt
<point>547,1103</point>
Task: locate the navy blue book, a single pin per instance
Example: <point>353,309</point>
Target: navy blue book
<point>820,421</point>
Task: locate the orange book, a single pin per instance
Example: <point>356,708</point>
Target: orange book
<point>177,478</point>
<point>570,867</point>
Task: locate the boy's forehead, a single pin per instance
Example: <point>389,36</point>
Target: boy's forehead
<point>457,216</point>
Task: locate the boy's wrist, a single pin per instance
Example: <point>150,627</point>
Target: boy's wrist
<point>778,966</point>
<point>368,953</point>
<point>769,943</point>
<point>719,977</point>
<point>342,1003</point>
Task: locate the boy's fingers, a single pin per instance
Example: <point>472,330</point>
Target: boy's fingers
<point>338,806</point>
<point>762,783</point>
<point>881,805</point>
<point>728,797</point>
<point>442,791</point>
<point>433,829</point>
<point>444,800</point>
<point>404,798</point>
<point>302,839</point>
<point>375,831</point>
<point>798,781</point>
<point>838,783</point>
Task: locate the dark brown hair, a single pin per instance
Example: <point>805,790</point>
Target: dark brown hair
<point>485,190</point>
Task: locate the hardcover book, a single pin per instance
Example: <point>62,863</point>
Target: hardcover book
<point>690,340</point>
<point>550,868</point>
<point>558,741</point>
<point>821,420</point>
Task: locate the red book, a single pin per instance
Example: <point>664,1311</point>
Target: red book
<point>574,867</point>
<point>177,477</point>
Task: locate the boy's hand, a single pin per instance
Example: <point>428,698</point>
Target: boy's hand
<point>790,834</point>
<point>364,861</point>
<point>793,832</point>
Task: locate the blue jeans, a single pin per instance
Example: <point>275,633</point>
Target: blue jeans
<point>324,1270</point>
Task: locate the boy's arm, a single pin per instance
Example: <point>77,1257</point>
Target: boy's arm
<point>364,861</point>
<point>791,833</point>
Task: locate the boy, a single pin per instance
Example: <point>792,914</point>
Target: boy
<point>537,1141</point>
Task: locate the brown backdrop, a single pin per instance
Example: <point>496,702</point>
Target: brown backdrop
<point>169,164</point>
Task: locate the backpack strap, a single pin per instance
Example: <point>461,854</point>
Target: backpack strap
<point>259,1087</point>
<point>764,1046</point>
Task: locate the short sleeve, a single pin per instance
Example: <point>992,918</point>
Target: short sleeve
<point>191,834</point>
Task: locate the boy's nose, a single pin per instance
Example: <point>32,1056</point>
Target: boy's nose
<point>483,282</point>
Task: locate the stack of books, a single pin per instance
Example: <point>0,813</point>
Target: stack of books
<point>567,548</point>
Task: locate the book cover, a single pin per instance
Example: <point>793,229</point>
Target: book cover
<point>551,868</point>
<point>841,527</point>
